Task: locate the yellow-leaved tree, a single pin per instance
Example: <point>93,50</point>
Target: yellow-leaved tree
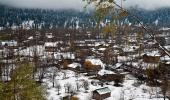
<point>21,86</point>
<point>107,9</point>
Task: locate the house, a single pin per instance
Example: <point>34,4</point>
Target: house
<point>131,50</point>
<point>114,67</point>
<point>92,66</point>
<point>111,77</point>
<point>165,68</point>
<point>102,93</point>
<point>94,70</point>
<point>12,44</point>
<point>49,35</point>
<point>50,46</point>
<point>76,67</point>
<point>64,55</point>
<point>151,58</point>
<point>96,62</point>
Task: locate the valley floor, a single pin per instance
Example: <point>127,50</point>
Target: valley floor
<point>131,89</point>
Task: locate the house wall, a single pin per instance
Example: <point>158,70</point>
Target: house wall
<point>104,96</point>
<point>151,59</point>
<point>100,97</point>
<point>96,96</point>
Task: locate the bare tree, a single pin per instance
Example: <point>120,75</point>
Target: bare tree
<point>164,87</point>
<point>67,87</point>
<point>151,92</point>
<point>165,84</point>
<point>77,81</point>
<point>73,91</point>
<point>86,85</point>
<point>58,87</point>
<point>122,94</point>
<point>64,75</point>
<point>54,74</point>
<point>77,86</point>
<point>41,73</point>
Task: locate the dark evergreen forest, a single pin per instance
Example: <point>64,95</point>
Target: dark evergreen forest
<point>70,18</point>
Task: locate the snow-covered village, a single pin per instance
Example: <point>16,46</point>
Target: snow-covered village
<point>116,51</point>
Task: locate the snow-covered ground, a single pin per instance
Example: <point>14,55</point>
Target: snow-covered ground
<point>130,90</point>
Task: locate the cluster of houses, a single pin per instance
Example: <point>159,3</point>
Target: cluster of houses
<point>106,58</point>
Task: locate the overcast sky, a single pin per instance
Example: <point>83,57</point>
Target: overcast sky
<point>78,4</point>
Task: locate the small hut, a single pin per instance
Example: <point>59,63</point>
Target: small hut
<point>102,93</point>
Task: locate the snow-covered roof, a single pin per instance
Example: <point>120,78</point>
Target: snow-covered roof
<point>30,38</point>
<point>49,35</point>
<point>167,58</point>
<point>9,43</point>
<point>130,48</point>
<point>168,62</point>
<point>122,58</point>
<point>100,43</point>
<point>153,53</point>
<point>102,49</point>
<point>103,72</point>
<point>67,55</point>
<point>135,64</point>
<point>117,65</point>
<point>96,62</point>
<point>74,65</point>
<point>103,90</point>
<point>50,44</point>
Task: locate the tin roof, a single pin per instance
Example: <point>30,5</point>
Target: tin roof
<point>103,90</point>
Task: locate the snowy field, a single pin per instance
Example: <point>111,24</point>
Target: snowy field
<point>130,90</point>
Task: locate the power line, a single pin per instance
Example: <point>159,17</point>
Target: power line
<point>149,30</point>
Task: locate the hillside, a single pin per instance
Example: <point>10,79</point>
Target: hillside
<point>41,18</point>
